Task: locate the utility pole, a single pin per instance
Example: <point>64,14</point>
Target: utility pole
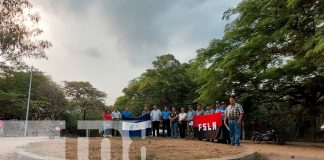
<point>28,100</point>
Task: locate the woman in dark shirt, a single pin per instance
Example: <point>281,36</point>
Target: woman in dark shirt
<point>174,118</point>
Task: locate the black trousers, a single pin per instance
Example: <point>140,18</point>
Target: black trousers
<point>155,127</point>
<point>166,126</point>
<point>115,124</point>
<point>226,134</point>
<point>183,127</point>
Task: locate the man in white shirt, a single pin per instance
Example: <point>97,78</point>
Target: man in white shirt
<point>155,118</point>
<point>116,116</point>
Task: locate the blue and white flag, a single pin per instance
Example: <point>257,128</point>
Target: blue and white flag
<point>137,127</point>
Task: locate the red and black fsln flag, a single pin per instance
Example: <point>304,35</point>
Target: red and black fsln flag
<point>207,126</point>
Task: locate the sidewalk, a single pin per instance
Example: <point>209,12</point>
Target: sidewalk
<point>8,144</point>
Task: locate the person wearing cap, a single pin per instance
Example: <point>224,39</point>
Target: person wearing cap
<point>233,117</point>
<point>221,107</point>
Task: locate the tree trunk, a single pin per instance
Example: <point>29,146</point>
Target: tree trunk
<point>297,131</point>
<point>243,131</point>
<point>315,130</point>
<point>84,114</point>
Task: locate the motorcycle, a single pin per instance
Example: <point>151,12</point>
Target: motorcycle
<point>54,131</point>
<point>35,133</point>
<point>270,135</point>
<point>254,134</point>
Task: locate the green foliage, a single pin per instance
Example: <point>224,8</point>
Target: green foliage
<point>169,82</point>
<point>47,98</point>
<point>85,98</point>
<point>19,34</point>
<point>271,55</point>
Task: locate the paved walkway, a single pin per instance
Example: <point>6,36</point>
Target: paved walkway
<point>8,144</point>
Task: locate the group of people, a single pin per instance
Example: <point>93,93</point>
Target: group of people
<point>174,122</point>
<point>113,116</point>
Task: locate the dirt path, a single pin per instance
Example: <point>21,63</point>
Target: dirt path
<point>293,152</point>
<point>266,151</point>
<point>8,144</point>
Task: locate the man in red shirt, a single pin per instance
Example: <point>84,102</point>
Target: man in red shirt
<point>106,116</point>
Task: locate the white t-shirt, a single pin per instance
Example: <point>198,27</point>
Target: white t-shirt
<point>182,117</point>
<point>116,115</point>
<point>155,115</point>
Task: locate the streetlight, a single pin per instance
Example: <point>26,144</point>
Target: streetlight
<point>29,90</point>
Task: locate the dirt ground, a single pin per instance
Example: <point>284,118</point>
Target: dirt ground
<point>165,148</point>
<point>156,148</point>
<point>268,151</point>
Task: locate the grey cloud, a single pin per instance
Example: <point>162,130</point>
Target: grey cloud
<point>92,52</point>
<point>143,28</point>
<point>126,35</point>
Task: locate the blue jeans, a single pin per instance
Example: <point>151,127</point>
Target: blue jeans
<point>106,127</point>
<point>235,131</point>
<point>174,129</point>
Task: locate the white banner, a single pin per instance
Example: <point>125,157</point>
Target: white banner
<point>131,126</point>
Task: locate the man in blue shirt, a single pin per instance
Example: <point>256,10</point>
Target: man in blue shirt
<point>221,107</point>
<point>126,114</point>
<point>166,121</point>
<point>190,131</point>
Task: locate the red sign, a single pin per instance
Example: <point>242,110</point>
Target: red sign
<point>207,126</point>
<point>209,120</point>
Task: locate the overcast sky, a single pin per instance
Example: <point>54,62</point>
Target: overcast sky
<point>110,42</point>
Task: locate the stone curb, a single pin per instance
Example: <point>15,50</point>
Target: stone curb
<point>21,154</point>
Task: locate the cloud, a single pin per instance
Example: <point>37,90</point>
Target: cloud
<point>110,42</point>
<point>92,52</point>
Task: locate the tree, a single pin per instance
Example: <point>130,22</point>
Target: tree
<point>84,97</point>
<point>19,35</point>
<point>54,103</point>
<point>47,98</point>
<point>272,56</point>
<point>168,83</point>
